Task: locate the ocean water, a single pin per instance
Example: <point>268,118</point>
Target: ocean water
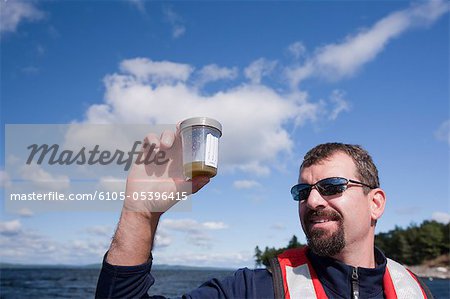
<point>81,283</point>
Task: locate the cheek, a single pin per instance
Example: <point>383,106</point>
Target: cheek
<point>357,216</point>
<point>301,214</point>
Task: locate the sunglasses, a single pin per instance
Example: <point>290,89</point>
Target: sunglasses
<point>326,187</point>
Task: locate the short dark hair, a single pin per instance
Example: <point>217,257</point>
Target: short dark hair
<point>367,171</point>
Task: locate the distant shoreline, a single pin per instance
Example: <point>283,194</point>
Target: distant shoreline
<point>420,270</point>
<point>431,272</point>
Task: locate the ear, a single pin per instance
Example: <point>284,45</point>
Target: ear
<point>377,204</point>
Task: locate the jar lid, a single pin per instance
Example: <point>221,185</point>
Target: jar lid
<point>201,121</point>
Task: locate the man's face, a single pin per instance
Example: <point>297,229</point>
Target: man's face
<point>332,223</point>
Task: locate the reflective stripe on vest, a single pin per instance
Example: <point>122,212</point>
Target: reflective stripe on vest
<point>299,282</point>
<point>406,287</point>
<point>300,279</point>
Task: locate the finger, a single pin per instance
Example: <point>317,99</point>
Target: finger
<point>178,133</point>
<point>167,139</point>
<point>151,139</point>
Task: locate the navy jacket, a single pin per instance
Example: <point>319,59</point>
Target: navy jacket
<point>135,281</point>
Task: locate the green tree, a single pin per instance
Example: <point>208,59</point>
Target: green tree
<point>429,240</point>
<point>445,245</point>
<point>294,243</point>
<point>258,255</point>
<point>381,241</point>
<point>263,258</point>
<point>415,244</point>
<point>404,251</point>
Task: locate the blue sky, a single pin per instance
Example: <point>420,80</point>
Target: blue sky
<point>280,76</point>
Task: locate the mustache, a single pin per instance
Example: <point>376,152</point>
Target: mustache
<point>333,215</point>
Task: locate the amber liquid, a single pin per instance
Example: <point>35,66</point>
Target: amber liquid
<point>198,168</point>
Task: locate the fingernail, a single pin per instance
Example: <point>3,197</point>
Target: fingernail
<point>168,140</point>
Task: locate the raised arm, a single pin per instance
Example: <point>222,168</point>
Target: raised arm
<point>133,240</point>
<point>134,237</point>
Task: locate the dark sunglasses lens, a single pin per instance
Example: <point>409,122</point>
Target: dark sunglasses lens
<point>332,186</point>
<point>300,192</point>
<point>304,193</point>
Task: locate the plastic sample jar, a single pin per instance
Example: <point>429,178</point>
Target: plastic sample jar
<point>200,141</point>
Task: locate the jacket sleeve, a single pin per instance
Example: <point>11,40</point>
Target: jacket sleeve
<point>135,282</point>
<point>124,281</point>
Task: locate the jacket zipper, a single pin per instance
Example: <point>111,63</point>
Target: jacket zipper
<point>355,283</point>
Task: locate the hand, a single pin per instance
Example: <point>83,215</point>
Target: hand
<point>149,183</point>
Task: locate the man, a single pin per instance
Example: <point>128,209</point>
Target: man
<point>340,202</point>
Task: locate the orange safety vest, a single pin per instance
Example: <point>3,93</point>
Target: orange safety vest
<point>294,277</point>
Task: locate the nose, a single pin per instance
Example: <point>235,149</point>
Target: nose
<point>315,200</point>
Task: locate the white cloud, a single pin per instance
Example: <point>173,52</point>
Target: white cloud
<point>214,225</point>
<point>178,30</point>
<point>44,180</point>
<point>245,184</point>
<point>200,239</point>
<point>151,92</point>
<point>139,4</point>
<point>340,104</point>
<point>196,233</point>
<point>443,132</point>
<point>85,248</point>
<point>176,22</point>
<point>12,13</point>
<point>100,230</point>
<point>261,137</point>
<point>111,184</point>
<point>278,226</point>
<point>258,69</point>
<point>254,168</point>
<point>5,180</point>
<point>27,245</point>
<point>441,217</point>
<point>231,260</point>
<point>25,212</point>
<point>339,60</point>
<point>213,72</point>
<point>162,239</point>
<point>91,135</point>
<point>12,227</point>
<point>191,225</point>
<point>180,224</point>
<point>157,72</point>
<point>297,49</point>
<point>40,50</point>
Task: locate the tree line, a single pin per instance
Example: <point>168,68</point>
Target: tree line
<point>416,243</point>
<point>412,245</point>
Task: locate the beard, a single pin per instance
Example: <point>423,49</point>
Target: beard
<point>320,241</point>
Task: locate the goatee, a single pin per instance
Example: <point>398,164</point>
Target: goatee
<point>319,241</point>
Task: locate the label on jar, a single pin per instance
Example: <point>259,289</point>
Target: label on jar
<point>212,150</point>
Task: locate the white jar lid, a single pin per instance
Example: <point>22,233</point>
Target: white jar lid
<point>201,121</point>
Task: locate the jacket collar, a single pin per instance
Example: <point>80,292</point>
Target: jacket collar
<point>336,277</point>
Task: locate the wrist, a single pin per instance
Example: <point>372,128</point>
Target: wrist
<point>133,239</point>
